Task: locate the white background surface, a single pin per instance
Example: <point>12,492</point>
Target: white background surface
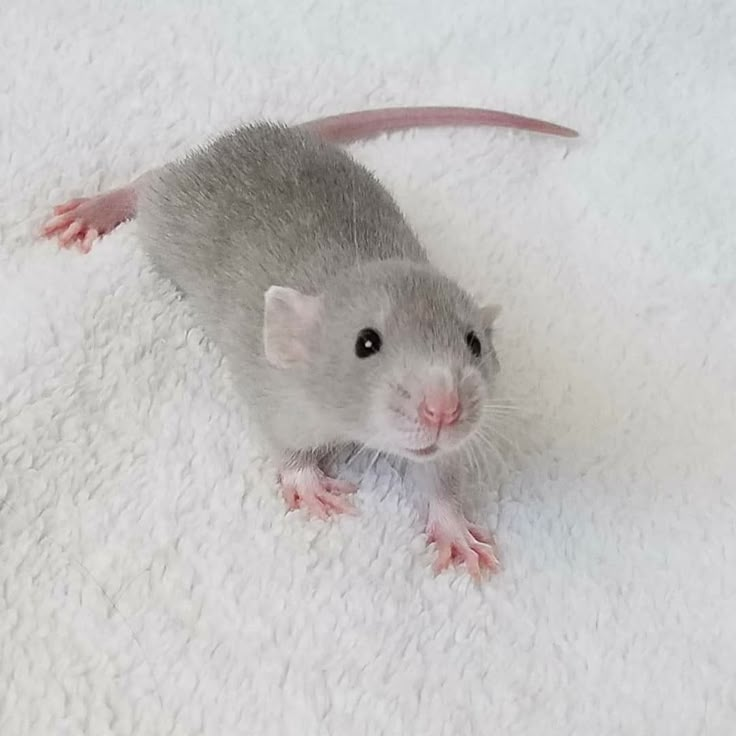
<point>150,582</point>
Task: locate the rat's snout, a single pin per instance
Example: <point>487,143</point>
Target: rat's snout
<point>440,408</point>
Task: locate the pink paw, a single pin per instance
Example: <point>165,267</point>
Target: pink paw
<point>82,221</point>
<point>310,489</point>
<point>459,541</point>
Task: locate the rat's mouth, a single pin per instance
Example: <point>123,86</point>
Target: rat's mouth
<point>423,451</point>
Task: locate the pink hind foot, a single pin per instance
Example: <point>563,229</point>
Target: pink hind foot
<point>82,221</point>
<point>309,488</point>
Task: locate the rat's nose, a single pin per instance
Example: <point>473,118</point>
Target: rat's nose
<point>440,408</point>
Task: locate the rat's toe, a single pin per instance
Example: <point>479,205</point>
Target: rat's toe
<point>56,224</point>
<point>86,245</point>
<point>314,506</point>
<point>334,504</point>
<point>486,556</point>
<point>60,209</point>
<point>444,557</point>
<point>71,233</point>
<point>480,533</point>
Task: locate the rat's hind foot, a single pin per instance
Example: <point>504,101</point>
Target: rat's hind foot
<point>307,487</point>
<point>82,221</point>
<point>459,541</point>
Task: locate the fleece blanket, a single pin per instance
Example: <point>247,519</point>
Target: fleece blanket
<point>150,579</point>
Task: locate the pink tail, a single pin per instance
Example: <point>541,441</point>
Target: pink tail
<point>355,126</point>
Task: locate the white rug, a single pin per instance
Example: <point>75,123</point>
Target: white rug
<point>150,582</point>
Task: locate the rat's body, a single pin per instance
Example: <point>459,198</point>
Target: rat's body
<point>337,330</point>
<point>260,206</point>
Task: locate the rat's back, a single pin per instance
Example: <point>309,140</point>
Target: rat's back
<point>264,205</point>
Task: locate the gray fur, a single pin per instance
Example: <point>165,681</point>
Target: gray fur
<point>268,205</point>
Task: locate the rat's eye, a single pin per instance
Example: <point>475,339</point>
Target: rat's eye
<point>472,341</point>
<point>368,343</point>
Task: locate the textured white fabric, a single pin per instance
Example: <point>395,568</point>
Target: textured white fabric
<point>150,582</point>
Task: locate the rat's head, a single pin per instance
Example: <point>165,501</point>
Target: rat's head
<point>391,355</point>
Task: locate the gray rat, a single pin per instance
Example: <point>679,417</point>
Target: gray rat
<point>337,329</point>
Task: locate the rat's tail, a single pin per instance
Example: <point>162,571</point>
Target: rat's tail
<point>353,126</point>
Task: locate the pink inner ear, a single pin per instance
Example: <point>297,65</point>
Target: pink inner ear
<point>289,321</point>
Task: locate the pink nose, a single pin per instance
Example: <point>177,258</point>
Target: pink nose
<point>440,409</point>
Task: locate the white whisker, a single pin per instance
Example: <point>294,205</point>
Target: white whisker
<point>371,464</point>
<point>500,435</point>
<point>508,405</point>
<point>487,442</point>
<point>468,450</point>
<point>364,447</point>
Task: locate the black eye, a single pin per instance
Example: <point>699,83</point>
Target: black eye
<point>472,341</point>
<point>368,343</point>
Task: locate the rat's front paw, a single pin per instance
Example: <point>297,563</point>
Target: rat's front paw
<point>317,493</point>
<point>459,541</point>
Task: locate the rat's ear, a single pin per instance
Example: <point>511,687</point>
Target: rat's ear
<point>489,314</point>
<point>289,321</point>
